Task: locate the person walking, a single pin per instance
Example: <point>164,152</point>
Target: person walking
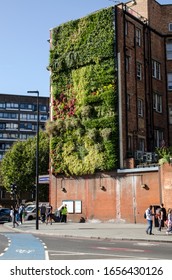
<point>13,215</point>
<point>42,213</point>
<point>162,216</point>
<point>49,211</point>
<point>169,221</point>
<point>149,218</point>
<point>20,211</point>
<point>64,214</point>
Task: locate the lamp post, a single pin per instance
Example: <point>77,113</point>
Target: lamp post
<point>37,160</point>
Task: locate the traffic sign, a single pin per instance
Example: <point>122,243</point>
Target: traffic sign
<point>44,179</point>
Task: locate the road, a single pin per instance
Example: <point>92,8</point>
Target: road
<point>16,246</point>
<point>78,249</point>
<point>20,246</point>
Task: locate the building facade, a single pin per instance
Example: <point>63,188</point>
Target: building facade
<point>138,51</point>
<point>18,118</point>
<point>18,121</point>
<point>144,57</point>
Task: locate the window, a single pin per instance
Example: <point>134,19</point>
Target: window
<point>23,116</point>
<point>127,60</point>
<point>169,49</point>
<point>126,28</point>
<point>1,156</point>
<point>140,107</point>
<point>26,106</point>
<point>2,105</point>
<point>4,146</point>
<point>170,27</point>
<point>43,117</point>
<point>170,115</point>
<point>156,70</point>
<point>139,71</point>
<point>12,105</point>
<point>26,126</point>
<point>129,143</point>
<point>8,136</point>
<point>8,116</point>
<point>11,126</point>
<point>23,136</point>
<point>128,102</point>
<point>158,138</point>
<point>2,125</point>
<point>169,77</point>
<point>157,102</point>
<point>141,144</point>
<point>138,37</point>
<point>43,108</point>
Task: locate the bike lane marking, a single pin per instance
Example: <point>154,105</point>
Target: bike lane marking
<point>24,247</point>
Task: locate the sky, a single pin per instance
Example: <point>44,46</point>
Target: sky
<point>24,31</point>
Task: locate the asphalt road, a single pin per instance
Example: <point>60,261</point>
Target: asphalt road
<point>35,246</point>
<point>78,249</point>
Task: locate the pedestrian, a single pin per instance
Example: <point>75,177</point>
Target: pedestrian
<point>149,218</point>
<point>49,211</point>
<point>20,211</point>
<point>169,221</point>
<point>64,214</point>
<point>13,214</point>
<point>162,216</point>
<point>42,213</point>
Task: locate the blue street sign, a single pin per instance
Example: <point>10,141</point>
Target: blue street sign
<point>44,179</point>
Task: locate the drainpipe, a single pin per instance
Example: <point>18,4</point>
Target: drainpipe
<point>160,185</point>
<point>118,71</point>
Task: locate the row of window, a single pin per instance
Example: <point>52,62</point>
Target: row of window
<point>14,136</point>
<point>15,126</point>
<point>157,104</point>
<point>5,146</point>
<point>158,141</point>
<point>156,69</point>
<point>138,42</point>
<point>23,106</point>
<point>22,116</point>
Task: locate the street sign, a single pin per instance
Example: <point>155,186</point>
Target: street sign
<point>44,179</point>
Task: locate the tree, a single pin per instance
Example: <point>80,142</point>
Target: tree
<point>19,163</point>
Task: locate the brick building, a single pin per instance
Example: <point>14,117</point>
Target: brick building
<point>143,71</point>
<point>144,58</point>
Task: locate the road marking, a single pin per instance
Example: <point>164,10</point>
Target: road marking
<point>23,246</point>
<point>145,244</point>
<point>121,249</point>
<point>21,251</point>
<point>70,253</point>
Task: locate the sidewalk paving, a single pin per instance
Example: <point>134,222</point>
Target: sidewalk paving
<point>96,230</point>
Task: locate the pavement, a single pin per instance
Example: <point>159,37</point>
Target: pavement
<point>94,230</point>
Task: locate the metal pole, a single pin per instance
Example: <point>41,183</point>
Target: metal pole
<point>37,162</point>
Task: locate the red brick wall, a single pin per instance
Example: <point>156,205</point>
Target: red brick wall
<point>125,197</point>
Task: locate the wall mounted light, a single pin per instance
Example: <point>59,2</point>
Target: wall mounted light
<point>144,186</point>
<point>103,188</point>
<point>63,189</point>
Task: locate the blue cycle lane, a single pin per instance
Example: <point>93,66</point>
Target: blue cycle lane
<point>23,246</point>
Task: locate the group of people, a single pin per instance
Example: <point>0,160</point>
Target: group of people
<point>46,213</point>
<point>164,219</point>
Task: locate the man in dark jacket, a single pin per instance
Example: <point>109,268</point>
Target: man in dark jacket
<point>162,216</point>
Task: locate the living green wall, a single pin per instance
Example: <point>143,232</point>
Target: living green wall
<point>84,130</point>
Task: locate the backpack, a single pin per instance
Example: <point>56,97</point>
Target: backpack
<point>144,215</point>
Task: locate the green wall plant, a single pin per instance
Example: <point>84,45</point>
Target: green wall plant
<point>84,130</point>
